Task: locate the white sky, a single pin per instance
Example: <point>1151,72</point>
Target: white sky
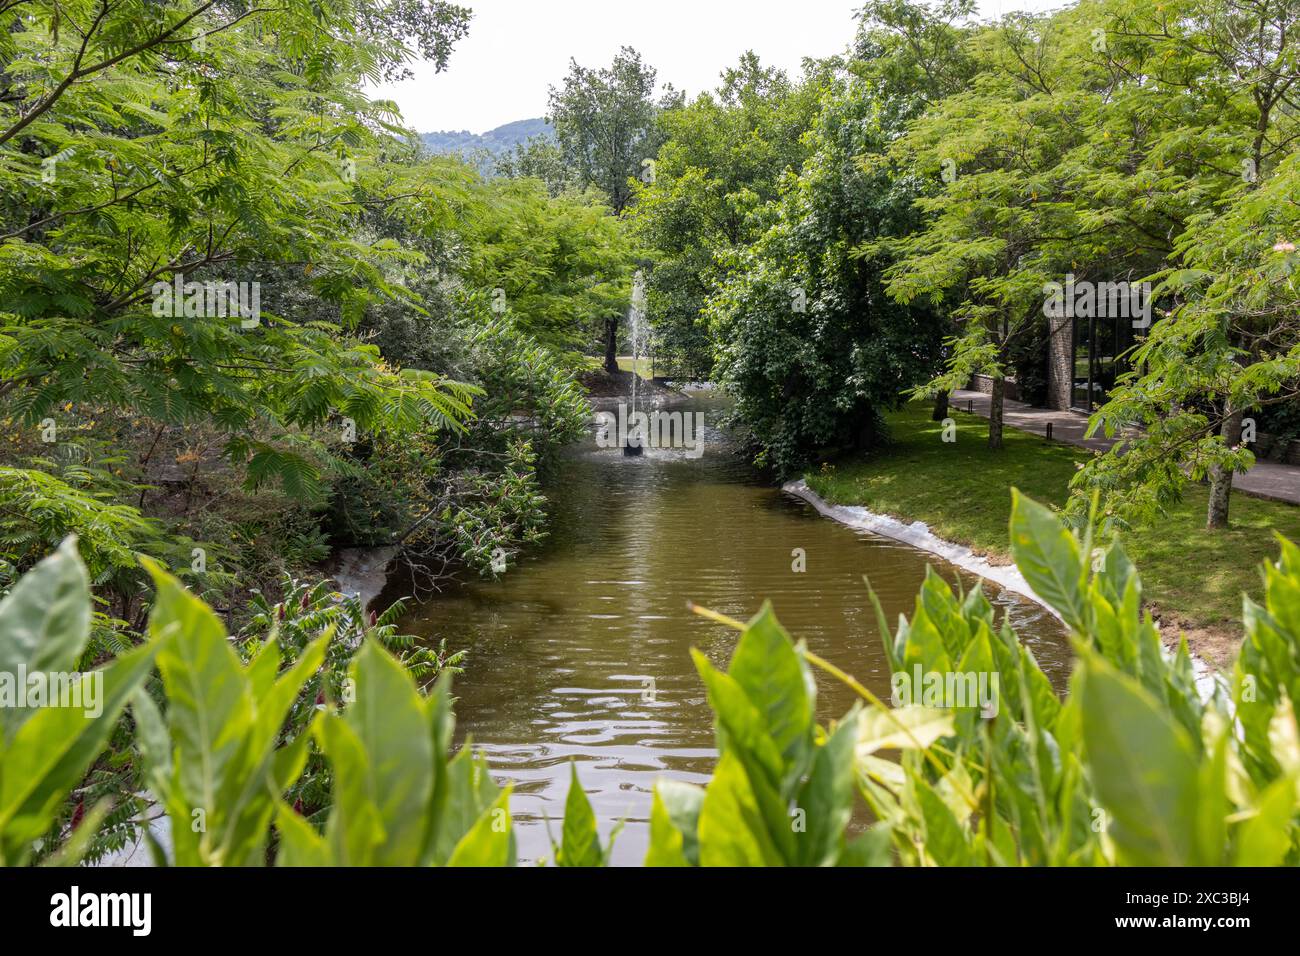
<point>516,49</point>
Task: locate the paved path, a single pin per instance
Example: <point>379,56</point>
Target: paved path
<point>1266,480</point>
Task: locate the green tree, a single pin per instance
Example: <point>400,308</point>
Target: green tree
<point>1228,343</point>
<point>240,155</point>
<point>560,266</point>
<point>724,159</point>
<point>808,340</point>
<point>607,123</point>
<point>1001,218</point>
<point>539,157</point>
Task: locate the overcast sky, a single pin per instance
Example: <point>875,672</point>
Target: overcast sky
<point>516,49</point>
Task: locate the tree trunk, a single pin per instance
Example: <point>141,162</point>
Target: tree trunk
<point>940,407</point>
<point>1216,515</point>
<point>611,346</point>
<point>995,413</point>
<point>865,435</point>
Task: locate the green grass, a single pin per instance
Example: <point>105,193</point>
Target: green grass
<point>643,365</point>
<point>962,491</point>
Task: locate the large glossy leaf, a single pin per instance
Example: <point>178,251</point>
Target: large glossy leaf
<point>437,842</point>
<point>872,848</point>
<point>52,750</point>
<point>581,844</point>
<point>775,679</point>
<point>743,734</point>
<point>946,841</point>
<point>1143,766</point>
<point>44,624</point>
<point>390,721</point>
<point>300,844</point>
<point>682,803</point>
<point>902,728</point>
<point>666,840</point>
<point>1265,838</point>
<point>469,791</point>
<point>732,830</point>
<point>262,772</point>
<point>209,702</point>
<point>490,841</point>
<point>925,647</point>
<point>1047,554</point>
<point>827,798</point>
<point>355,826</point>
<point>941,607</point>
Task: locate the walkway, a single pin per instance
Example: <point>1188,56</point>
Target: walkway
<point>1266,479</point>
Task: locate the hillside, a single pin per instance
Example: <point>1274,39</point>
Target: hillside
<point>494,141</point>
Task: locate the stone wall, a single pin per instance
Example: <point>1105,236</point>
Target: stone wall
<point>1267,448</point>
<point>982,383</point>
<point>1060,362</point>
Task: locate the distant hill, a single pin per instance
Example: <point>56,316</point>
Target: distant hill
<point>494,142</point>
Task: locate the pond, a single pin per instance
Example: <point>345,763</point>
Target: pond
<point>581,653</point>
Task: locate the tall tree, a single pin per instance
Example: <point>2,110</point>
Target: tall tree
<point>809,343</point>
<point>607,123</point>
<point>1225,70</point>
<point>723,161</point>
<point>559,266</point>
<point>153,147</point>
<point>1001,217</point>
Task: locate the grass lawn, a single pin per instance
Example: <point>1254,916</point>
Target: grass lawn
<point>962,491</point>
<point>642,365</point>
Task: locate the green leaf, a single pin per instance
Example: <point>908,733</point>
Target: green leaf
<point>469,791</point>
<point>300,844</point>
<point>1143,766</point>
<point>52,751</point>
<point>946,842</point>
<point>490,842</point>
<point>742,733</point>
<point>682,803</point>
<point>392,727</point>
<point>1265,838</point>
<point>872,848</point>
<point>902,728</point>
<point>666,840</point>
<point>581,844</point>
<point>209,701</point>
<point>732,830</point>
<point>774,677</point>
<point>44,624</point>
<point>437,846</point>
<point>827,797</point>
<point>1047,554</point>
<point>355,827</point>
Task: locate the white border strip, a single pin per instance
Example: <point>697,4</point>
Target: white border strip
<point>918,535</point>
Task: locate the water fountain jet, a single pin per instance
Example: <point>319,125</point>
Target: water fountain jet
<point>635,444</point>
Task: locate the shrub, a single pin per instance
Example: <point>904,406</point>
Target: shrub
<point>1135,766</point>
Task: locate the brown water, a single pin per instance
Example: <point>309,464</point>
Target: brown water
<point>581,653</point>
